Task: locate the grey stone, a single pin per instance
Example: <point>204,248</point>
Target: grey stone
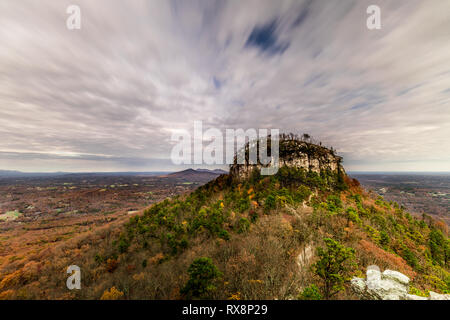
<point>396,276</point>
<point>389,285</point>
<point>437,296</point>
<point>414,297</point>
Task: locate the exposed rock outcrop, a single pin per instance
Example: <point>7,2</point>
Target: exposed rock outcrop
<point>389,285</point>
<point>295,153</point>
<point>305,256</point>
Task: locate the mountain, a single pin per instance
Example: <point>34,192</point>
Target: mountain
<point>195,175</point>
<point>301,233</point>
<point>216,171</point>
<point>20,174</point>
<point>10,173</point>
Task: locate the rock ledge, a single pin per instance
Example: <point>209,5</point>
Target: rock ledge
<point>389,285</point>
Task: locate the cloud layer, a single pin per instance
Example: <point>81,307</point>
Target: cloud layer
<point>108,97</point>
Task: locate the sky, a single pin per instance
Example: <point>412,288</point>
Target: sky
<point>108,97</point>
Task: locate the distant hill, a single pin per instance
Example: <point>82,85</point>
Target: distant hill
<point>218,171</point>
<point>10,173</point>
<point>195,175</point>
<point>20,174</point>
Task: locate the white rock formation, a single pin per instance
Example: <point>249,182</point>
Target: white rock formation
<point>305,255</point>
<point>389,285</point>
<point>320,158</point>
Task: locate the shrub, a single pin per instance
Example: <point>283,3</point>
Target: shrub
<point>253,216</point>
<point>302,193</point>
<point>310,293</point>
<point>224,234</point>
<point>183,243</point>
<point>340,181</point>
<point>99,259</point>
<point>369,253</point>
<point>202,275</point>
<point>333,267</point>
<point>417,292</point>
<point>243,204</point>
<point>282,201</point>
<point>112,294</point>
<point>111,265</point>
<point>255,175</point>
<point>352,215</point>
<point>384,238</point>
<point>243,225</point>
<point>313,179</point>
<point>438,284</point>
<point>378,220</point>
<point>270,203</point>
<point>438,247</point>
<point>124,244</point>
<point>211,219</point>
<point>409,257</point>
<point>357,198</point>
<point>334,204</point>
<point>373,233</point>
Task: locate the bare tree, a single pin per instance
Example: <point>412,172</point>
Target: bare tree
<point>306,137</point>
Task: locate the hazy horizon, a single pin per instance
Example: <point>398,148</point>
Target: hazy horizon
<point>109,96</point>
<point>225,169</point>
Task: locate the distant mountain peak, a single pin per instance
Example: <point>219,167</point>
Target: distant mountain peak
<point>197,174</point>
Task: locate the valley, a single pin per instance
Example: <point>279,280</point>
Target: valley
<point>420,193</point>
<point>43,211</point>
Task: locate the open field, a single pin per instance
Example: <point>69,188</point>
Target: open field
<point>40,212</point>
<point>419,193</point>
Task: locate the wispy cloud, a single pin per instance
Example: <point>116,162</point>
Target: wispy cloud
<point>112,92</point>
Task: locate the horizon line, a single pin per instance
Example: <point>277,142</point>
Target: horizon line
<point>170,171</point>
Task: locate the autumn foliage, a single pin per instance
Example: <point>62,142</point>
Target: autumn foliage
<point>229,240</point>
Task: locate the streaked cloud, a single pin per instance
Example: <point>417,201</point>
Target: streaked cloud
<point>108,96</point>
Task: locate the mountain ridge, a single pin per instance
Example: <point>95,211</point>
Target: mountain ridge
<point>262,237</point>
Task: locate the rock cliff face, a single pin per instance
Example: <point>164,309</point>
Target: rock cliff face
<point>389,285</point>
<point>295,153</point>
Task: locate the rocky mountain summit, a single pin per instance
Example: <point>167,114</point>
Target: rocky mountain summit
<point>294,152</point>
<point>388,285</point>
